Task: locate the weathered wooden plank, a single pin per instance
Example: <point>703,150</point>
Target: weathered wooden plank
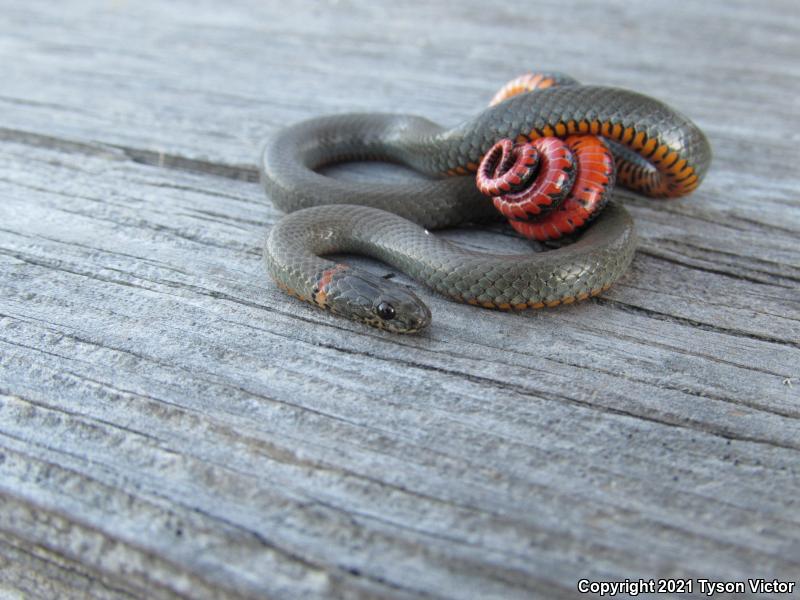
<point>172,425</point>
<point>37,573</point>
<point>127,324</point>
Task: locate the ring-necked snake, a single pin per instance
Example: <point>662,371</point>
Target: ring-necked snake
<point>532,151</point>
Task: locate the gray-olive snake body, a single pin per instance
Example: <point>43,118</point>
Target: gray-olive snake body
<point>522,136</point>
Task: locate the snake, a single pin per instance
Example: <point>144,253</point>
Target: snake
<point>547,152</point>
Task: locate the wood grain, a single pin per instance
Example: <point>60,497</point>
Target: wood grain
<point>171,425</point>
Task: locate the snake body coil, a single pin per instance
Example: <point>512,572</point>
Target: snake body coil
<point>657,152</point>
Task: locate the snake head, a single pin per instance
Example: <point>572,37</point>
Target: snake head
<point>376,302</point>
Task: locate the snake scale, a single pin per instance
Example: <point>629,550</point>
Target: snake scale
<point>547,151</point>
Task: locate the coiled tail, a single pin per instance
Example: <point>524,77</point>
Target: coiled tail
<point>549,187</point>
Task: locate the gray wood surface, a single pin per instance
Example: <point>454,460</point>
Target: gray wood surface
<point>171,425</point>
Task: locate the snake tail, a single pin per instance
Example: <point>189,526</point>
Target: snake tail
<point>548,188</point>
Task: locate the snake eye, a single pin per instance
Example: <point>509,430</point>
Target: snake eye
<point>385,311</point>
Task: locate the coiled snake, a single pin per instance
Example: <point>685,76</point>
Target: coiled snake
<point>547,151</point>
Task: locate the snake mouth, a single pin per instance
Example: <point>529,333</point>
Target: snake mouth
<point>406,327</point>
